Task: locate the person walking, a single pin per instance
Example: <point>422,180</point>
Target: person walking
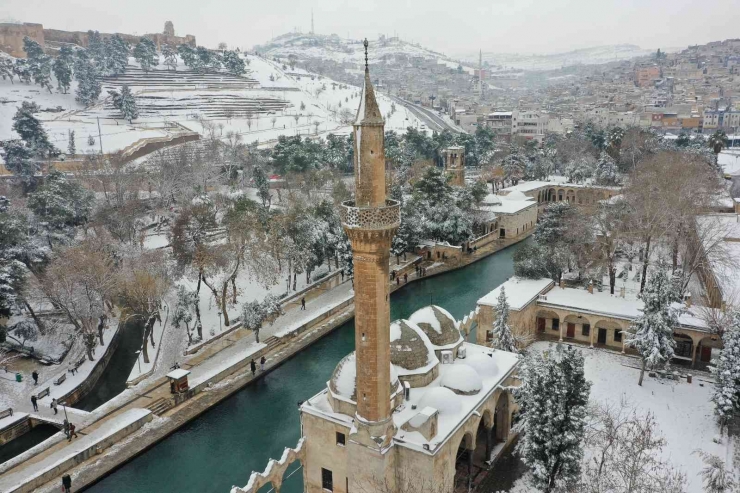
<point>72,432</point>
<point>262,363</point>
<point>54,405</point>
<point>398,281</point>
<point>303,303</point>
<point>342,272</point>
<point>253,367</point>
<point>406,278</point>
<point>35,376</point>
<point>35,404</point>
<point>66,483</point>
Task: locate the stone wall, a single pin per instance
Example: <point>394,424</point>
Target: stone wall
<point>11,37</point>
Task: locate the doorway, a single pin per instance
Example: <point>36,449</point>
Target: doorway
<point>602,336</point>
<point>571,331</point>
<point>541,324</point>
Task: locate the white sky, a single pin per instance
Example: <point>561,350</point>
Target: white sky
<point>452,27</point>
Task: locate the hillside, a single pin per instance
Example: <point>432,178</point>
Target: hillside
<point>265,103</point>
<point>587,56</point>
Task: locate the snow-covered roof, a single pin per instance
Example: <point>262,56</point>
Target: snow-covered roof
<point>506,204</point>
<point>438,324</point>
<point>179,373</point>
<point>519,292</point>
<point>454,410</point>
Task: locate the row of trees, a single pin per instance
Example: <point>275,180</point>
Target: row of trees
<point>202,59</point>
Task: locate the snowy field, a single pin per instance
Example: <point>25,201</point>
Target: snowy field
<point>262,108</point>
<point>684,412</point>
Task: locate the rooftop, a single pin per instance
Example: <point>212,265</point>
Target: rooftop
<point>492,366</point>
<point>519,292</point>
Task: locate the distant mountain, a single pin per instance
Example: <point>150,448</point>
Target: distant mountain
<point>585,56</point>
<point>341,50</point>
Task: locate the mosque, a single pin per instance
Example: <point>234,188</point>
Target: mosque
<point>415,407</point>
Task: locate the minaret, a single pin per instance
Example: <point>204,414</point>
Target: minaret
<point>370,222</point>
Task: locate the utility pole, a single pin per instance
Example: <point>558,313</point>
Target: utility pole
<point>100,137</point>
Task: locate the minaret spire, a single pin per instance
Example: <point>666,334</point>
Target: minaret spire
<point>367,69</point>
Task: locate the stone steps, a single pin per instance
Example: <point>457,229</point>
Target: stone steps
<point>159,406</point>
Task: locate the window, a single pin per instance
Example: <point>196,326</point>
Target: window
<point>586,329</point>
<point>617,335</point>
<point>326,480</point>
<point>340,439</point>
<point>555,324</point>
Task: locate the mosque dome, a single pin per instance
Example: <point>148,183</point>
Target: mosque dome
<point>492,199</point>
<point>461,379</point>
<point>483,364</point>
<point>343,380</point>
<point>443,400</point>
<point>411,349</point>
<point>437,323</point>
<point>516,195</point>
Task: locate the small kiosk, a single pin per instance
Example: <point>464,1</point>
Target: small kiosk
<point>178,381</point>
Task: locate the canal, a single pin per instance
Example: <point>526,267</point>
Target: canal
<point>222,447</point>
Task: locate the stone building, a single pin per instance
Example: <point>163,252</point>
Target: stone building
<point>454,161</point>
<point>509,216</point>
<point>414,407</point>
<point>11,37</point>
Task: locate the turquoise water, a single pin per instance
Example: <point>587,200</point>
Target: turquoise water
<point>222,447</point>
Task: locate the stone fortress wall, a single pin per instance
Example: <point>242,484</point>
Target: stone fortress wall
<point>11,37</point>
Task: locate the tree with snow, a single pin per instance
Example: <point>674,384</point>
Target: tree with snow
<point>716,476</point>
<point>88,79</point>
<point>579,169</point>
<point>22,70</point>
<point>71,149</point>
<point>504,339</point>
<point>32,131</point>
<point>20,161</point>
<point>39,63</point>
<point>187,302</point>
<point>726,396</point>
<point>263,185</point>
<point>117,52</point>
<point>170,57</point>
<point>606,172</point>
<point>62,204</point>
<point>553,399</point>
<point>555,233</point>
<point>145,53</point>
<point>62,67</point>
<point>651,334</point>
<point>125,102</point>
<point>254,313</point>
<point>233,63</point>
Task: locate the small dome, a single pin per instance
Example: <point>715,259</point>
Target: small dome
<point>343,380</point>
<point>437,324</point>
<point>411,349</point>
<point>461,379</point>
<point>492,199</point>
<point>516,195</point>
<point>443,400</point>
<point>483,364</point>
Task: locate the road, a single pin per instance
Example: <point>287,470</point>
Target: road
<point>432,120</point>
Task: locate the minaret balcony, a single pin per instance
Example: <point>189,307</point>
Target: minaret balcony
<point>370,218</point>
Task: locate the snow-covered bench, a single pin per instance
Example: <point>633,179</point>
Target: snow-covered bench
<point>6,413</point>
<point>61,379</point>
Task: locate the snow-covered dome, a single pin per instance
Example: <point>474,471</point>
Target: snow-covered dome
<point>483,364</point>
<point>411,349</point>
<point>437,324</point>
<point>443,400</point>
<point>492,199</point>
<point>343,380</point>
<point>516,195</point>
<point>461,379</point>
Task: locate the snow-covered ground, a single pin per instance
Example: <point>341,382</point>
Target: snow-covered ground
<point>729,159</point>
<point>168,108</point>
<point>683,411</point>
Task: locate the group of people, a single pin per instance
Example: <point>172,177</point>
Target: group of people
<point>253,365</point>
<point>420,271</point>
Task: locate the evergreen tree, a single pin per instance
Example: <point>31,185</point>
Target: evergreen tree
<point>39,64</point>
<point>187,301</point>
<point>187,53</point>
<point>530,262</point>
<point>22,70</point>
<point>90,140</point>
<point>117,50</point>
<point>263,185</point>
<point>553,399</point>
<point>554,236</point>
<point>170,57</point>
<point>652,332</point>
<point>233,63</point>
<point>606,172</point>
<point>61,204</point>
<point>71,149</point>
<point>20,161</point>
<point>146,54</point>
<point>88,79</point>
<point>31,131</point>
<point>726,396</point>
<point>505,340</point>
<point>6,69</point>
<point>97,51</point>
<point>63,68</point>
<point>128,104</point>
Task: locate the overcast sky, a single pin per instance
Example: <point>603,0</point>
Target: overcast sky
<point>449,26</point>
